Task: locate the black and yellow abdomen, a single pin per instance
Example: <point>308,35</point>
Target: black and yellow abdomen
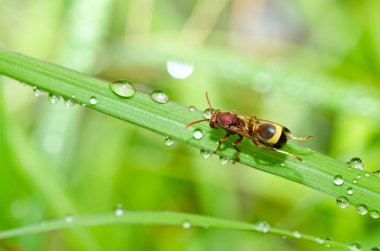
<point>271,134</point>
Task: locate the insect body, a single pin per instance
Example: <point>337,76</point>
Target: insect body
<point>264,134</point>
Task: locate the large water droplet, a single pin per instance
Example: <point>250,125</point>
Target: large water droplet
<point>350,191</point>
<point>69,103</point>
<point>356,163</point>
<point>159,96</point>
<point>262,226</point>
<point>207,113</point>
<point>197,134</point>
<point>338,180</point>
<point>119,210</point>
<point>123,88</point>
<point>354,247</point>
<point>186,224</point>
<point>179,70</point>
<point>168,141</point>
<point>192,108</point>
<point>362,209</point>
<point>53,99</point>
<point>297,234</point>
<point>223,160</point>
<point>342,202</point>
<point>69,218</point>
<point>206,154</point>
<point>93,100</point>
<point>374,214</point>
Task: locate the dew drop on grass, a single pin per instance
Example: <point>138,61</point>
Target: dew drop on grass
<point>376,173</point>
<point>207,113</point>
<point>374,214</point>
<point>53,99</point>
<point>366,174</point>
<point>326,240</point>
<point>169,141</point>
<point>69,218</point>
<point>223,160</point>
<point>354,247</point>
<point>338,180</point>
<point>159,96</point>
<point>282,164</point>
<point>119,210</point>
<point>359,176</point>
<point>342,202</point>
<point>37,92</point>
<point>356,163</point>
<point>362,209</point>
<point>197,134</point>
<point>297,234</point>
<point>262,226</point>
<point>375,249</point>
<point>186,224</point>
<point>350,191</point>
<point>206,154</point>
<point>319,240</point>
<point>192,108</point>
<point>123,88</point>
<point>93,100</point>
<point>69,103</point>
<point>354,181</point>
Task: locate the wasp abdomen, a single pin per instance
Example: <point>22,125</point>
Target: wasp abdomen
<point>270,134</point>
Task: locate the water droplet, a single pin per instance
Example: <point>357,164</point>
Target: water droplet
<point>179,70</point>
<point>69,218</point>
<point>119,210</point>
<point>186,224</point>
<point>338,180</point>
<point>37,92</point>
<point>327,240</point>
<point>192,108</point>
<point>169,141</point>
<point>359,176</point>
<point>342,202</point>
<point>376,173</point>
<point>93,100</point>
<point>282,164</point>
<point>319,240</point>
<point>207,113</point>
<point>361,209</point>
<point>375,249</point>
<point>53,99</point>
<point>356,163</point>
<point>354,247</point>
<point>206,154</point>
<point>354,181</point>
<point>223,160</point>
<point>297,234</point>
<point>262,226</point>
<point>159,96</point>
<point>374,214</point>
<point>69,103</point>
<point>23,84</point>
<point>366,174</point>
<point>197,134</point>
<point>123,88</point>
<point>350,190</point>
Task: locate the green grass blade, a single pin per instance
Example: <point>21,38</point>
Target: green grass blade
<point>316,170</point>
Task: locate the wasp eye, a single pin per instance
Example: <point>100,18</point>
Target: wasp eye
<point>266,130</point>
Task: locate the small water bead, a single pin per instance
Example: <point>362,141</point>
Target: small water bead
<point>223,160</point>
<point>168,141</point>
<point>328,239</point>
<point>159,96</point>
<point>69,218</point>
<point>186,224</point>
<point>197,134</point>
<point>350,191</point>
<point>282,164</point>
<point>354,181</point>
<point>206,154</point>
<point>356,163</point>
<point>319,240</point>
<point>375,249</point>
<point>93,100</point>
<point>207,113</point>
<point>123,88</point>
<point>192,108</point>
<point>69,103</point>
<point>376,173</point>
<point>374,214</point>
<point>297,234</point>
<point>262,226</point>
<point>342,202</point>
<point>366,174</point>
<point>53,99</point>
<point>119,210</point>
<point>338,180</point>
<point>361,209</point>
<point>354,247</point>
<point>37,92</point>
<point>359,176</point>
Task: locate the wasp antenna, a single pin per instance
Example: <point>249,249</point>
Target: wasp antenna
<point>195,122</point>
<point>208,101</point>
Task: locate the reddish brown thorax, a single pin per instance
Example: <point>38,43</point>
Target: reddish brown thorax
<point>224,120</point>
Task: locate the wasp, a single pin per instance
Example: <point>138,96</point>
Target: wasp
<point>263,133</point>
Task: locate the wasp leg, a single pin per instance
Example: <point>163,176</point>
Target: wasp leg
<point>221,141</point>
<point>258,144</point>
<point>237,149</point>
<point>296,138</point>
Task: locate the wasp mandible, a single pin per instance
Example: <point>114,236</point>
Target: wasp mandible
<point>263,133</point>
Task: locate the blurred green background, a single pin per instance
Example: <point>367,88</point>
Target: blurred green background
<point>313,66</point>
